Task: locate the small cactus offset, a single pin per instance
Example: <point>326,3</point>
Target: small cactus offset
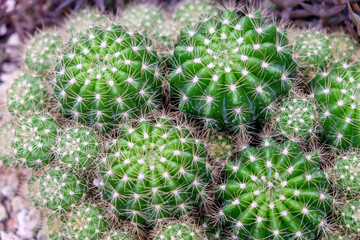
<point>231,70</point>
<point>336,92</point>
<point>343,46</point>
<point>179,231</point>
<point>78,148</point>
<point>154,171</point>
<point>28,94</point>
<point>349,216</point>
<point>274,192</point>
<point>220,148</point>
<point>34,140</point>
<point>107,75</point>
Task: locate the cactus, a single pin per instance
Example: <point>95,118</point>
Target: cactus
<point>343,46</point>
<point>178,231</point>
<point>80,21</point>
<point>79,148</point>
<point>41,52</point>
<point>274,192</point>
<point>347,173</point>
<point>34,140</point>
<point>337,94</point>
<point>220,148</point>
<point>153,172</point>
<point>107,75</point>
<point>211,232</point>
<point>122,234</point>
<point>6,152</point>
<point>312,51</point>
<point>296,119</point>
<point>55,227</point>
<point>165,35</point>
<point>27,94</point>
<point>339,237</point>
<point>349,216</point>
<point>231,70</point>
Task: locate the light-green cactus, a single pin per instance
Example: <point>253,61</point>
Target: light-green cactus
<point>349,216</point>
<point>179,231</point>
<point>343,46</point>
<point>347,173</point>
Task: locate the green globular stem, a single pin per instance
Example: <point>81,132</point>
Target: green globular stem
<point>34,140</point>
<point>347,173</point>
<point>107,75</point>
<point>337,95</point>
<point>231,70</point>
<point>179,231</point>
<point>27,95</point>
<point>154,171</point>
<point>349,216</point>
<point>274,192</point>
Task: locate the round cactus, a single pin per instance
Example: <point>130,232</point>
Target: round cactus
<point>79,148</point>
<point>337,94</point>
<point>347,173</point>
<point>231,70</point>
<point>6,152</point>
<point>349,216</point>
<point>84,19</point>
<point>296,119</point>
<point>312,51</point>
<point>41,52</point>
<point>27,95</point>
<point>178,231</point>
<point>153,172</point>
<point>34,140</point>
<point>220,148</point>
<point>107,75</point>
<point>88,222</point>
<point>274,192</point>
<point>343,46</point>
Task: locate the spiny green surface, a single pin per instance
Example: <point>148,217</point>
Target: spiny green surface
<point>56,227</point>
<point>27,94</point>
<point>337,92</point>
<point>343,46</point>
<point>6,152</point>
<point>274,192</point>
<point>165,35</point>
<point>347,173</point>
<point>178,231</point>
<point>79,148</point>
<point>296,119</point>
<point>41,52</point>
<point>122,234</point>
<point>231,70</point>
<point>210,231</point>
<point>84,19</point>
<point>349,216</point>
<point>34,140</point>
<point>154,171</point>
<point>107,76</point>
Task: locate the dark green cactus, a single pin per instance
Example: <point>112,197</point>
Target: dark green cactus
<point>179,231</point>
<point>349,216</point>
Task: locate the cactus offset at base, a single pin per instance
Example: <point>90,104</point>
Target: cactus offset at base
<point>178,231</point>
<point>349,216</point>
<point>347,173</point>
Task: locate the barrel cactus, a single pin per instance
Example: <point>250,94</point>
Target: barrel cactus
<point>34,140</point>
<point>179,231</point>
<point>347,173</point>
<point>107,75</point>
<point>154,171</point>
<point>336,92</point>
<point>230,71</point>
<point>274,192</point>
<point>28,94</point>
<point>343,46</point>
<point>79,148</point>
<point>349,216</point>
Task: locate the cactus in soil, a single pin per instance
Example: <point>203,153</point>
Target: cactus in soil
<point>347,173</point>
<point>349,216</point>
<point>220,148</point>
<point>41,52</point>
<point>107,75</point>
<point>343,46</point>
<point>312,51</point>
<point>27,95</point>
<point>154,171</point>
<point>230,70</point>
<point>84,19</point>
<point>78,148</point>
<point>274,192</point>
<point>6,152</point>
<point>179,231</point>
<point>34,140</point>
<point>296,119</point>
<point>337,95</point>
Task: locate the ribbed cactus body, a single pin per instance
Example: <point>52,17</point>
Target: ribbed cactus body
<point>79,148</point>
<point>338,96</point>
<point>274,192</point>
<point>231,70</point>
<point>349,216</point>
<point>154,171</point>
<point>347,173</point>
<point>343,46</point>
<point>107,75</point>
<point>34,140</point>
<point>27,94</point>
<point>179,231</point>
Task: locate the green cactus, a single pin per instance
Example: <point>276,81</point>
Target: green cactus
<point>122,234</point>
<point>6,152</point>
<point>312,51</point>
<point>41,52</point>
<point>79,148</point>
<point>107,75</point>
<point>165,34</point>
<point>80,21</point>
<point>231,70</point>
<point>347,173</point>
<point>34,140</point>
<point>211,232</point>
<point>178,231</point>
<point>27,94</point>
<point>220,148</point>
<point>349,216</point>
<point>154,171</point>
<point>343,46</point>
<point>55,227</point>
<point>274,192</point>
<point>338,98</point>
<point>88,222</point>
<point>296,119</point>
